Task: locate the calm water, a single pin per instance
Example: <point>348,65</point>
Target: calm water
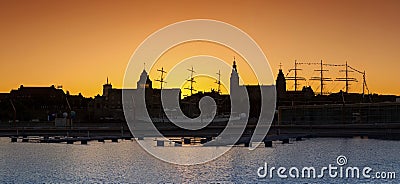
<point>126,162</point>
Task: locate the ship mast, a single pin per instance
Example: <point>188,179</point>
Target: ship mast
<point>161,80</point>
<point>346,79</point>
<point>296,78</point>
<point>191,80</point>
<point>321,78</point>
<point>219,81</point>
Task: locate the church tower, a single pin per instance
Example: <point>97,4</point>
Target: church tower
<point>106,88</point>
<point>280,84</point>
<point>234,81</point>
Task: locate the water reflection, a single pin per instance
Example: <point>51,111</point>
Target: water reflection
<point>127,162</point>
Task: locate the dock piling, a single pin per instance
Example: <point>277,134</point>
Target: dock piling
<point>268,144</point>
<point>160,143</point>
<point>285,141</point>
<point>177,144</point>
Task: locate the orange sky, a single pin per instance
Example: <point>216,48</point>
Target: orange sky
<point>78,44</point>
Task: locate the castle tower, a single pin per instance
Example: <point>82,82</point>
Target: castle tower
<point>144,81</point>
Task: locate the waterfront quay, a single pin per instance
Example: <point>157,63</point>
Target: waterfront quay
<point>120,131</point>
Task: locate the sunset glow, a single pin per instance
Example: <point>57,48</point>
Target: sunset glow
<point>78,44</point>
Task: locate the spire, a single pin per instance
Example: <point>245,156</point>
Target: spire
<point>106,88</point>
<point>107,82</point>
<point>234,80</point>
<point>234,63</point>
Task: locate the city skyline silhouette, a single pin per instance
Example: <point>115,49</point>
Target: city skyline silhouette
<point>46,43</point>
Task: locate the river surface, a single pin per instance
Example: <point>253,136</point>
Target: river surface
<point>127,162</point>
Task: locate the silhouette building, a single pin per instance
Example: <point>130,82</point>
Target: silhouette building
<point>40,104</point>
<point>259,98</point>
<point>46,103</point>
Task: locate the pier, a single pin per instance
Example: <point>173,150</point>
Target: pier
<point>276,132</point>
<point>67,140</point>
